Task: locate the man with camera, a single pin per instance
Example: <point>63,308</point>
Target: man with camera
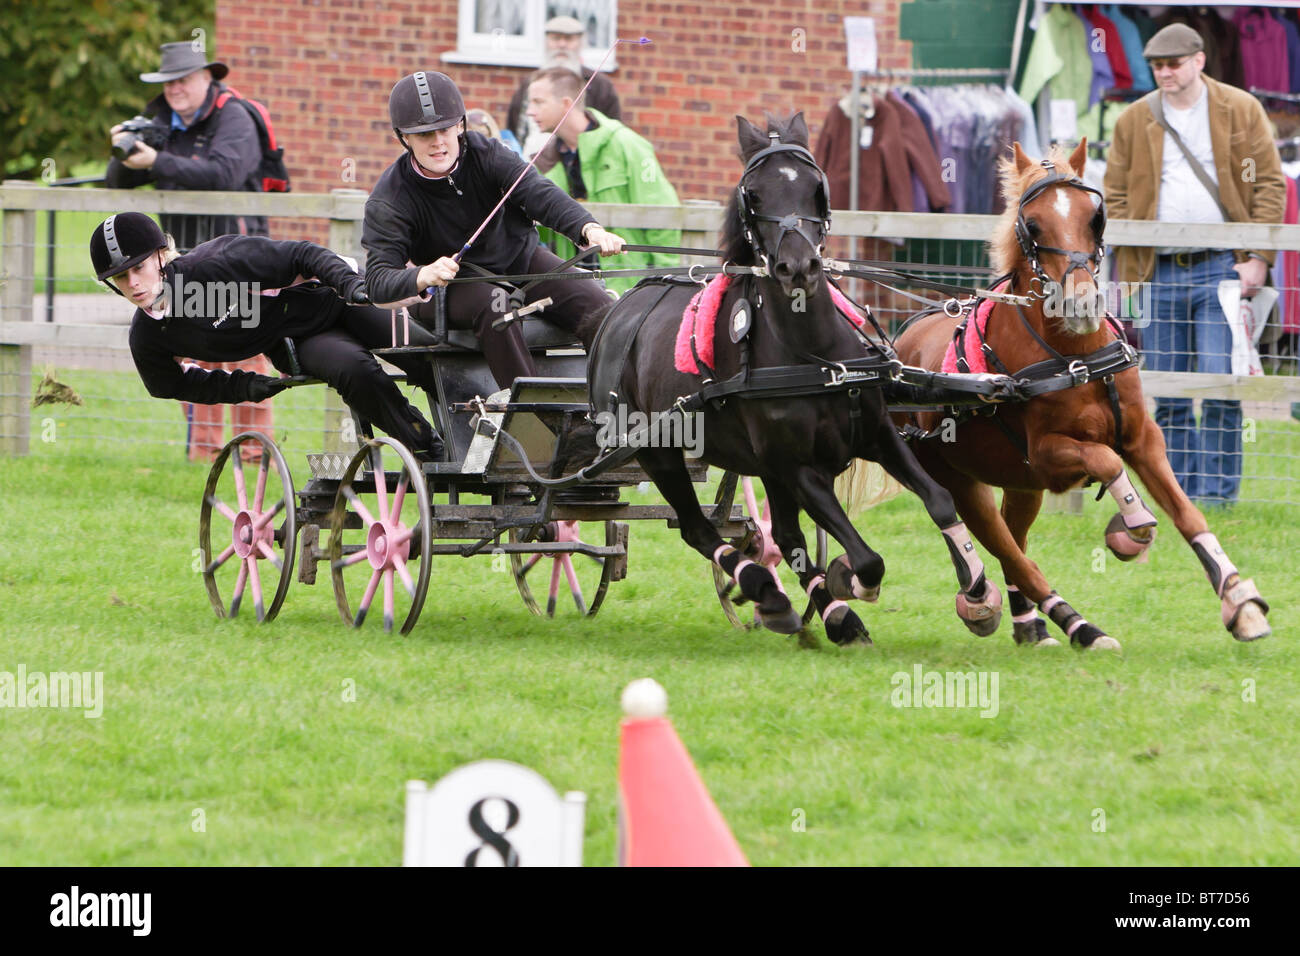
<point>185,140</point>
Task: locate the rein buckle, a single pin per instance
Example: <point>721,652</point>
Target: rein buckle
<point>1078,373</point>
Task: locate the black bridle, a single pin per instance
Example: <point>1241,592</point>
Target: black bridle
<point>1088,261</point>
<point>791,222</point>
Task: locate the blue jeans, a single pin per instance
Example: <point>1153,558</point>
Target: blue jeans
<point>1188,333</point>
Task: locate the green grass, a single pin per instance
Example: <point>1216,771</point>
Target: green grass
<point>249,724</point>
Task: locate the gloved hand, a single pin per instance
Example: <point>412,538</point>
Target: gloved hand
<point>263,387</point>
<point>357,295</point>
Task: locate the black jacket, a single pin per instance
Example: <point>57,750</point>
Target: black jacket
<point>193,330</point>
<point>219,150</point>
<point>413,219</point>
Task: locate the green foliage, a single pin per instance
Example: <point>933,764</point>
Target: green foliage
<point>70,69</point>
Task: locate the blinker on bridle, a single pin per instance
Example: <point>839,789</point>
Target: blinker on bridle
<point>789,223</point>
<point>1088,261</point>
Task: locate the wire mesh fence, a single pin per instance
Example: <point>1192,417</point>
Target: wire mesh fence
<point>64,341</point>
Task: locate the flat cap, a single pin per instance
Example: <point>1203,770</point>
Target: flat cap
<point>1177,39</point>
<point>568,25</point>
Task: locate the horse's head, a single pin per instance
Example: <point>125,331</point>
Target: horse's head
<point>1051,236</point>
<point>780,214</point>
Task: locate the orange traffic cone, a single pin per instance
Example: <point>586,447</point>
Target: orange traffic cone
<point>666,816</point>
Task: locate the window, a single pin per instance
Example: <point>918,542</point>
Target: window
<point>509,32</point>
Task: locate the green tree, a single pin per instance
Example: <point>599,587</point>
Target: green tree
<point>70,69</point>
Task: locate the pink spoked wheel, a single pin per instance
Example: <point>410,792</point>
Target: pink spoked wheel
<point>250,491</point>
<point>381,536</point>
<point>760,548</point>
<point>586,577</point>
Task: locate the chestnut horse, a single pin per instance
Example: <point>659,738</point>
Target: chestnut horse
<point>1049,238</point>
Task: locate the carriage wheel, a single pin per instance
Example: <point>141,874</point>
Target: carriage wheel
<point>587,578</point>
<point>753,545</point>
<point>381,533</point>
<point>252,504</point>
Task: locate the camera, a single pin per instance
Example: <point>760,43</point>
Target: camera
<point>141,129</point>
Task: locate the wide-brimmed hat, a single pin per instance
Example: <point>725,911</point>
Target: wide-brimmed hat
<point>181,59</point>
<point>568,25</point>
<point>1177,39</point>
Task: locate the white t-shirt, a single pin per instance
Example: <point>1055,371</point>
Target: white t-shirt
<point>1182,196</point>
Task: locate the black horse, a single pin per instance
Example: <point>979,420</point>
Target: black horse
<point>796,443</point>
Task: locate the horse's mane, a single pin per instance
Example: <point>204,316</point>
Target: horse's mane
<point>1004,251</point>
<point>732,242</point>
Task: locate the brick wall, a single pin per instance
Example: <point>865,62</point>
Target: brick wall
<point>325,68</point>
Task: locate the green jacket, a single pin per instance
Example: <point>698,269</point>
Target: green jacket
<point>618,166</point>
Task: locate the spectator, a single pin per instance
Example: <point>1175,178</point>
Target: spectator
<point>598,159</point>
<point>204,147</point>
<point>327,317</point>
<point>564,38</point>
<point>1237,177</point>
<point>481,121</point>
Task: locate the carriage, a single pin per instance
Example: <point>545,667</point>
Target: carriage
<point>378,516</point>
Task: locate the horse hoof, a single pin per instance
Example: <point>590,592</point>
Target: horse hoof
<point>839,579</point>
<point>1251,624</point>
<point>1031,632</point>
<point>1128,543</point>
<point>1244,611</point>
<point>1104,643</point>
<point>1052,642</point>
<point>788,621</point>
<point>844,627</point>
<point>981,617</point>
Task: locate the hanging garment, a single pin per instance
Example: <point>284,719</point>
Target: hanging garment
<point>1112,45</point>
<point>1292,51</point>
<point>1059,60</point>
<point>1263,50</point>
<point>887,158</point>
<point>1286,268</point>
<point>927,173</point>
<point>1131,42</point>
<point>1103,77</point>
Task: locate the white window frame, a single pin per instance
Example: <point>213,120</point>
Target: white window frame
<point>473,46</point>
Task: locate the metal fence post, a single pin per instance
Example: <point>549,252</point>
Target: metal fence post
<point>345,239</point>
<point>16,291</point>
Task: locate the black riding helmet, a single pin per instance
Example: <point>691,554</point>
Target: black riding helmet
<point>122,241</point>
<point>423,102</point>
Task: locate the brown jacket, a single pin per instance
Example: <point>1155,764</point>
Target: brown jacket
<point>1251,185</point>
<point>885,168</point>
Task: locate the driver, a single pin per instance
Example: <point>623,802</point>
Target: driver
<point>429,202</point>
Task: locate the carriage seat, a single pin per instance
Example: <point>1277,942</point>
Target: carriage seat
<point>539,335</point>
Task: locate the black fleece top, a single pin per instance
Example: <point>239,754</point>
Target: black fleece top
<point>413,219</point>
<point>189,331</point>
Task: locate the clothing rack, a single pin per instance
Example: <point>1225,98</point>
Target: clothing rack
<point>1275,95</point>
<point>929,72</point>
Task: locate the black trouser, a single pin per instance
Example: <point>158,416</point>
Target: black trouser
<point>475,305</point>
<point>340,355</point>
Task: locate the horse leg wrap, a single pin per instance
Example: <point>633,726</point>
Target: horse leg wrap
<point>970,569</point>
<point>1217,566</point>
<point>842,625</point>
<point>1069,620</point>
<point>1133,530</point>
<point>1026,626</point>
<point>981,616</point>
